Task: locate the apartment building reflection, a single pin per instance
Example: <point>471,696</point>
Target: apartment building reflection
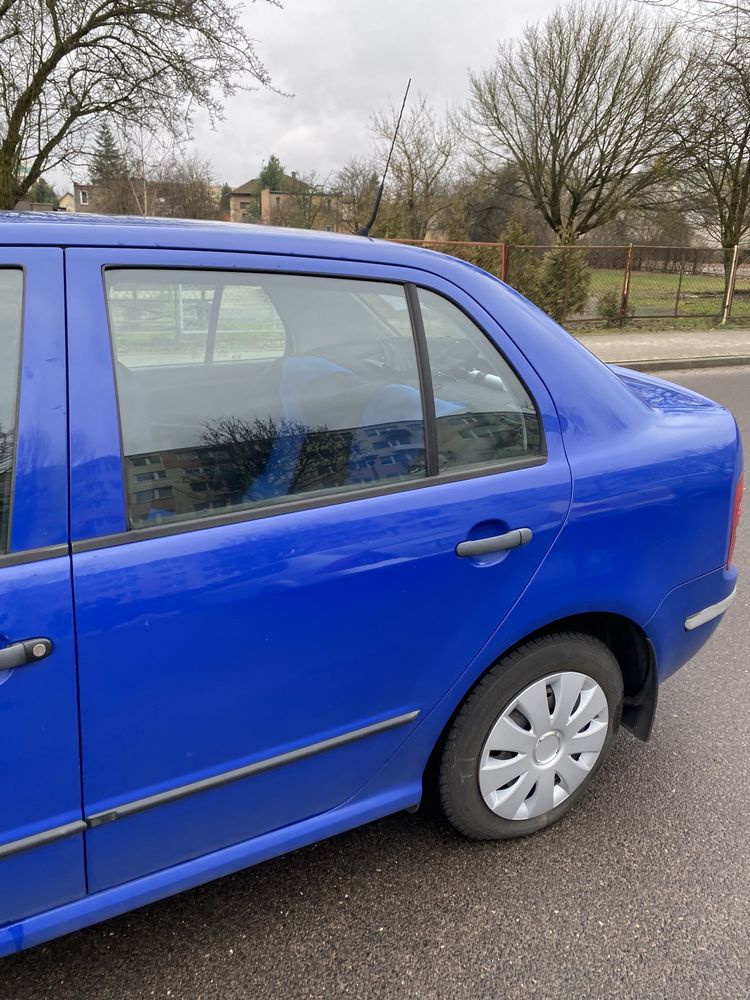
<point>239,464</point>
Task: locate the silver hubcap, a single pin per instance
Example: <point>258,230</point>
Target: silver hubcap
<point>543,745</point>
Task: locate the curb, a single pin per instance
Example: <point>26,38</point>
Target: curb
<point>672,364</point>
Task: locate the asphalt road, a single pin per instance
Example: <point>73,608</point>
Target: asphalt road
<point>642,892</point>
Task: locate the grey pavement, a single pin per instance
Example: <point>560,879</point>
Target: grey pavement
<point>661,349</point>
<point>641,893</point>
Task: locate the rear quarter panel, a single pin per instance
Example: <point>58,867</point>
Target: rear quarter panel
<point>653,471</point>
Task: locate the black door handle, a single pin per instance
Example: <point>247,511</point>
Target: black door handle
<point>20,653</point>
<point>497,543</point>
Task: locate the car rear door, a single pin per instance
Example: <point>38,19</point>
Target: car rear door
<point>253,644</point>
<point>41,839</point>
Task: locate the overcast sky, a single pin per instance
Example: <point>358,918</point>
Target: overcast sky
<point>342,58</point>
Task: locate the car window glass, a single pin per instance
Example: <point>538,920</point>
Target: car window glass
<point>158,320</point>
<point>264,388</point>
<point>11,305</point>
<point>248,325</point>
<point>484,413</point>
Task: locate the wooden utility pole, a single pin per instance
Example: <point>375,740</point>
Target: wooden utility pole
<point>729,294</point>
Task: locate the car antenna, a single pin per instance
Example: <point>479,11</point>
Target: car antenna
<point>365,230</point>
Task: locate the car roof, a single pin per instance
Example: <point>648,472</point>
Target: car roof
<point>71,229</point>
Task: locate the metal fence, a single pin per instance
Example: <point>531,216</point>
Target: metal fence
<point>610,285</point>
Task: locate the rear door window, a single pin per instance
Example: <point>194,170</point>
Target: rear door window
<point>11,310</point>
<point>237,390</point>
<point>485,415</point>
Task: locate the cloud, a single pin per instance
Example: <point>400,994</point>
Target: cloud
<point>343,58</point>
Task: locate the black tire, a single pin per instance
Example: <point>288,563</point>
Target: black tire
<point>460,795</point>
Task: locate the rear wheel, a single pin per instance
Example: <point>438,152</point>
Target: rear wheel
<point>530,737</point>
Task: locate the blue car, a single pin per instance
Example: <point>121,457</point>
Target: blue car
<point>296,529</point>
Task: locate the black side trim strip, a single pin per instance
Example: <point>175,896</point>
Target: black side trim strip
<point>259,767</point>
<point>40,839</point>
<point>33,555</point>
<point>432,457</point>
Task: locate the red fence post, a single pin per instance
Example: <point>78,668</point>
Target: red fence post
<point>626,284</point>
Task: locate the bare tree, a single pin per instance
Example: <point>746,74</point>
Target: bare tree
<point>356,184</point>
<point>486,201</point>
<point>584,104</point>
<point>306,457</point>
<point>716,133</point>
<point>6,452</point>
<point>147,156</point>
<point>714,129</point>
<point>420,172</point>
<point>305,202</point>
<point>147,174</point>
<point>715,19</point>
<point>66,65</point>
<point>6,474</point>
<point>188,189</point>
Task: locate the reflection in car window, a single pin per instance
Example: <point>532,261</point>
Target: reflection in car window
<point>247,326</point>
<point>243,389</point>
<point>11,304</point>
<point>484,414</point>
<point>165,317</point>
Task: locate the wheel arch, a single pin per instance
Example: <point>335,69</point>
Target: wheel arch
<point>634,653</point>
<point>631,648</point>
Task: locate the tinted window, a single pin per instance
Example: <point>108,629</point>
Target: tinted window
<point>11,300</point>
<point>484,414</point>
<point>237,390</point>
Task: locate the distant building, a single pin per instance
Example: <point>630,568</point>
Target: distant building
<point>34,206</point>
<point>88,198</point>
<point>296,204</point>
<point>163,198</point>
<point>67,202</point>
<point>244,202</point>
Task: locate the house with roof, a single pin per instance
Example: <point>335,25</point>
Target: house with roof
<point>296,203</point>
<point>244,202</point>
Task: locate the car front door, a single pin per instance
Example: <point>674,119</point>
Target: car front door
<point>41,838</point>
<point>268,589</point>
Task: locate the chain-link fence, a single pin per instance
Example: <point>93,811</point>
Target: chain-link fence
<point>610,285</point>
<point>679,281</point>
<point>739,299</point>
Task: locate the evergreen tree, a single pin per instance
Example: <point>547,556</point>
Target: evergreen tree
<point>224,202</point>
<point>272,175</point>
<point>564,282</point>
<point>107,163</point>
<point>523,264</point>
<point>43,193</point>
